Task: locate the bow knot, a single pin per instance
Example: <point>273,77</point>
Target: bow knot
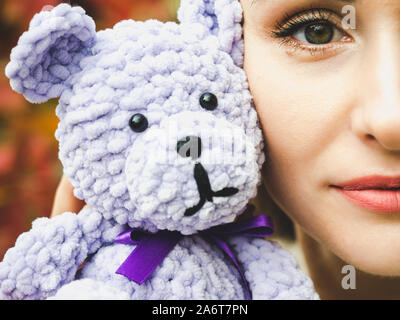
<point>151,249</point>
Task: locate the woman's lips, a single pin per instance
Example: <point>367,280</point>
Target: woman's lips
<point>376,193</point>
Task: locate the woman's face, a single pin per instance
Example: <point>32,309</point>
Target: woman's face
<point>328,97</point>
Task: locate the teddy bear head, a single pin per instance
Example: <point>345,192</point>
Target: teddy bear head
<point>157,127</point>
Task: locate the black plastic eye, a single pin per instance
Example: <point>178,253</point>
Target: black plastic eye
<point>138,122</point>
<point>209,101</point>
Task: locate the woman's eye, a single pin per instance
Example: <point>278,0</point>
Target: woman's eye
<point>313,30</point>
<point>318,33</point>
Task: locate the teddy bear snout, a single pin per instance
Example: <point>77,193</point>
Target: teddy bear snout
<point>191,171</point>
<point>189,147</point>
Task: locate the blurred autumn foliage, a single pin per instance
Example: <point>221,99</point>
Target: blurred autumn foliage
<point>29,165</point>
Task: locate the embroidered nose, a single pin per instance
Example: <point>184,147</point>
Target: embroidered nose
<point>189,146</point>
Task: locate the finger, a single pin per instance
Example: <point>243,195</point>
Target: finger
<point>65,200</point>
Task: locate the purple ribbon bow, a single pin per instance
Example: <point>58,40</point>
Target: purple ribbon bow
<point>151,249</point>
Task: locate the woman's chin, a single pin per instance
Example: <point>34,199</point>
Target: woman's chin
<point>367,240</point>
<point>373,249</point>
<point>382,260</point>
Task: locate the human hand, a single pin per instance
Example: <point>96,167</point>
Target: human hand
<point>64,200</point>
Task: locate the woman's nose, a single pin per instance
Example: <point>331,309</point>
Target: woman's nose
<point>378,115</point>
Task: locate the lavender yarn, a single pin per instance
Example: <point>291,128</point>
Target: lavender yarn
<point>138,179</point>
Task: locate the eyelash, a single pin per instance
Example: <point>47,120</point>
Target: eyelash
<point>285,28</point>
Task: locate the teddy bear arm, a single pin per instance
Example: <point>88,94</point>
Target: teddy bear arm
<point>48,256</point>
<point>271,271</point>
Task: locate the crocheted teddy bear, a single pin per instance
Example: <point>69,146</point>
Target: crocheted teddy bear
<point>159,136</point>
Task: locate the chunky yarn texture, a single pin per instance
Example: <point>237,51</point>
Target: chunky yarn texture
<point>137,178</point>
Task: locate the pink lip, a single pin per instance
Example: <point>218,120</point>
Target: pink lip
<point>376,193</point>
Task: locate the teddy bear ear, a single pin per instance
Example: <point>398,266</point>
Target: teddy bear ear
<point>49,53</point>
<point>222,18</point>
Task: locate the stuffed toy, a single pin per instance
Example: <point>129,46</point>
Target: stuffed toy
<point>159,135</point>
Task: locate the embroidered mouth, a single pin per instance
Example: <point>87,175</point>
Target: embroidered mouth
<point>205,191</point>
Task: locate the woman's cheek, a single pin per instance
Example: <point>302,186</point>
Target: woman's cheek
<point>304,114</point>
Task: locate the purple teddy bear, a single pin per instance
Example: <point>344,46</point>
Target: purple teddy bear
<point>158,134</point>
